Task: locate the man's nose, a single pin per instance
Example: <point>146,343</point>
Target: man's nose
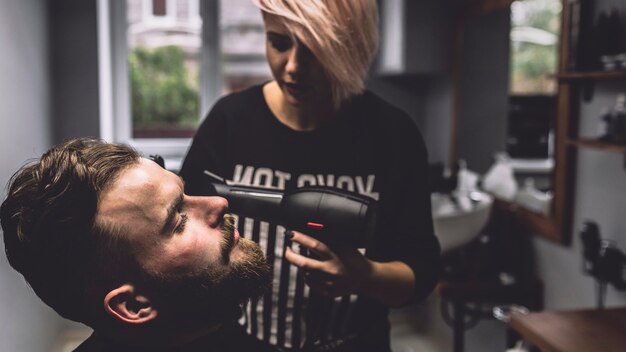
<point>214,209</point>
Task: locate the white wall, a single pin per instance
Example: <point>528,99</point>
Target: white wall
<point>73,69</point>
<point>599,196</point>
<point>26,324</point>
<point>483,101</point>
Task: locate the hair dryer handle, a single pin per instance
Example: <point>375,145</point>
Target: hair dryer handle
<point>335,218</point>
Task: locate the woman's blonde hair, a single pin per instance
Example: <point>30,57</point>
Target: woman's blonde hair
<point>342,34</point>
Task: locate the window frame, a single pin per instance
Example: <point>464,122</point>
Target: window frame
<point>194,11</point>
<point>148,13</point>
<point>115,98</point>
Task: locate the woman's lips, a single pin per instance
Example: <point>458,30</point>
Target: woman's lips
<point>296,88</point>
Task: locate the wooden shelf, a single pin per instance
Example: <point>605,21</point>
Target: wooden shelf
<point>596,144</point>
<point>573,331</point>
<point>590,75</point>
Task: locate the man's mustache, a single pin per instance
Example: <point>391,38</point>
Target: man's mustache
<point>228,236</point>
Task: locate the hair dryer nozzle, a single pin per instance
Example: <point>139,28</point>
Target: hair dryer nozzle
<point>253,202</point>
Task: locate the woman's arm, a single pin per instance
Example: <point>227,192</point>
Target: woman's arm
<point>350,272</point>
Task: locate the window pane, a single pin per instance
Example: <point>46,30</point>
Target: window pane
<point>534,46</point>
<point>164,70</point>
<point>158,7</point>
<point>242,38</point>
<point>165,61</point>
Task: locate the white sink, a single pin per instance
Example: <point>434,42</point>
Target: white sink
<point>458,223</point>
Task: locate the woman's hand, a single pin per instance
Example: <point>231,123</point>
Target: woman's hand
<point>329,273</point>
<point>349,272</point>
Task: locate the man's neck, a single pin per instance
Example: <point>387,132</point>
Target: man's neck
<point>162,339</point>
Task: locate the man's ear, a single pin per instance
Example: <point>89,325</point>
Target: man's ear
<point>125,304</point>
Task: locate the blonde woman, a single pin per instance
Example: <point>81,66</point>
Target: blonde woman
<point>315,124</point>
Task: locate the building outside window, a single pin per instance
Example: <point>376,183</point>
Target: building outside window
<point>170,61</point>
<point>534,46</point>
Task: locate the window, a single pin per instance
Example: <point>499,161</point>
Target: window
<point>152,11</point>
<point>158,8</point>
<point>534,46</point>
<point>242,46</point>
<point>169,61</point>
<point>535,28</point>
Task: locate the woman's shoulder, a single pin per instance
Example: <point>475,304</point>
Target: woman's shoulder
<point>242,98</point>
<point>372,105</point>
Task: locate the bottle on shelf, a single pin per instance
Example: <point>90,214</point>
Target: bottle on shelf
<point>619,118</point>
<point>608,40</point>
<point>532,198</point>
<point>612,122</point>
<point>604,125</point>
<point>581,56</point>
<point>500,179</point>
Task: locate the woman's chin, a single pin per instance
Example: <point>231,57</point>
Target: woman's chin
<point>296,101</point>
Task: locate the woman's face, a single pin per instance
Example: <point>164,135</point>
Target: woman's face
<point>296,70</point>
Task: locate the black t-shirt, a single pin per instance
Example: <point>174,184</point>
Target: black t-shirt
<point>226,339</point>
<point>371,148</point>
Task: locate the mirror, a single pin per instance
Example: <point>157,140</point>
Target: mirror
<point>505,100</point>
<point>533,65</point>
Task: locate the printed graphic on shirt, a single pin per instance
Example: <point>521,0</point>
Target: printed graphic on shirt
<point>265,177</point>
<point>281,317</point>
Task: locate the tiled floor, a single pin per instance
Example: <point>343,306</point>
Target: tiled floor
<point>421,329</point>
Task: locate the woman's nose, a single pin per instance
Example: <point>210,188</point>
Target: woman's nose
<point>293,66</point>
<point>297,59</point>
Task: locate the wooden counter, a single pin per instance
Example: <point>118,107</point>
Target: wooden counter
<point>573,331</point>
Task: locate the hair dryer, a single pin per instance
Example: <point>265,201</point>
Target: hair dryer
<point>337,218</point>
<point>602,259</point>
<point>590,237</point>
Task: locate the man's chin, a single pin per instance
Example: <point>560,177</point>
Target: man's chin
<point>249,269</point>
<point>217,295</point>
<point>248,250</point>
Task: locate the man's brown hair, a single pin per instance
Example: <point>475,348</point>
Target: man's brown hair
<point>50,233</point>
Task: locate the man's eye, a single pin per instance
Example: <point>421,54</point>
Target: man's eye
<point>180,226</point>
<point>280,43</point>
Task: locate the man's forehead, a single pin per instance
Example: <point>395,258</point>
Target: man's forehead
<point>139,197</point>
<point>135,177</point>
<point>141,185</point>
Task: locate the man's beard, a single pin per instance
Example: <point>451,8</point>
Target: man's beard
<point>214,294</point>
